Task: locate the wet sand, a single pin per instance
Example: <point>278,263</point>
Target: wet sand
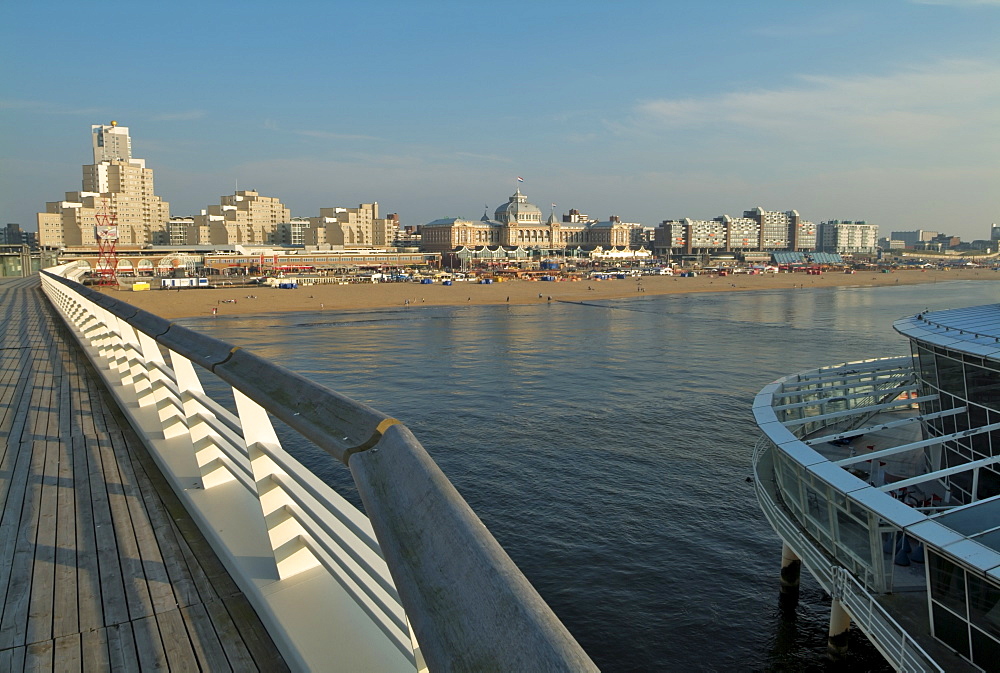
<point>255,300</point>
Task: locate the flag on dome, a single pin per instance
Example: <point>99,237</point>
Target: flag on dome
<point>520,179</point>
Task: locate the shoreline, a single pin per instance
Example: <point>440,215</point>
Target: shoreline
<point>260,300</point>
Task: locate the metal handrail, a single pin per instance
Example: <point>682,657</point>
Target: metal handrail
<point>469,605</point>
<point>896,645</point>
<point>782,523</point>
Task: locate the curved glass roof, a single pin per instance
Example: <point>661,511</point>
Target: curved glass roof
<point>969,533</point>
<point>974,330</point>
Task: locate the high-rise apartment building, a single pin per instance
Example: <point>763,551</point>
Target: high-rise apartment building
<point>115,183</point>
<point>783,231</point>
<point>12,234</point>
<point>111,142</point>
<point>359,227</point>
<point>848,237</point>
<point>758,230</point>
<point>243,218</point>
<point>292,232</point>
<point>910,239</point>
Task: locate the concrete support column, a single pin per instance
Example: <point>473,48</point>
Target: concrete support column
<point>791,568</point>
<point>840,624</point>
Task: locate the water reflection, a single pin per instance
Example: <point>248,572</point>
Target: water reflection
<point>606,446</point>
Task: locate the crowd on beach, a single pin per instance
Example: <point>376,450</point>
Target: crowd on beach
<point>201,301</point>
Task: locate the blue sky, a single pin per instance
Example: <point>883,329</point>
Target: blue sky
<point>881,110</point>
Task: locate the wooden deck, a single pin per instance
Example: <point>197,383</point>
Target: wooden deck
<point>100,568</point>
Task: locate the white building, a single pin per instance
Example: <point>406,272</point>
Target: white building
<point>848,237</point>
<point>115,184</point>
<point>111,142</point>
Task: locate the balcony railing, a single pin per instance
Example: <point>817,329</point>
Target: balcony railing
<point>419,582</point>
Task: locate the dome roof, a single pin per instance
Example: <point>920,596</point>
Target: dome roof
<point>516,205</point>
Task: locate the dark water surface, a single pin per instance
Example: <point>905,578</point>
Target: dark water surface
<point>607,446</point>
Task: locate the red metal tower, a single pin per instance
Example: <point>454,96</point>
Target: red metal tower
<point>106,270</point>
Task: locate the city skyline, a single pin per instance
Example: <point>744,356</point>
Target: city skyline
<point>649,111</point>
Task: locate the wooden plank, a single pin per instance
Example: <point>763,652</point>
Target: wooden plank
<point>14,621</point>
<point>112,593</point>
<point>138,601</point>
<point>38,657</point>
<point>148,645</point>
<point>13,424</point>
<point>90,609</point>
<point>121,649</point>
<point>258,641</point>
<point>66,600</point>
<point>68,656</point>
<point>205,641</point>
<point>65,372</point>
<point>20,428</point>
<point>163,530</point>
<point>12,659</point>
<point>149,560</point>
<point>94,645</point>
<point>41,399</point>
<point>42,600</point>
<point>113,551</point>
<point>177,643</point>
<point>84,413</point>
<point>237,651</point>
<point>14,471</point>
<point>14,385</point>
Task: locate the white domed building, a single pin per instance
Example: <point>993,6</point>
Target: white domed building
<point>519,224</point>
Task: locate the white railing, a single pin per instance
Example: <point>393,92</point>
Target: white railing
<point>891,639</point>
<point>783,524</point>
<point>336,589</point>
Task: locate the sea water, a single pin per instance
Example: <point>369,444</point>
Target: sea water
<point>607,447</point>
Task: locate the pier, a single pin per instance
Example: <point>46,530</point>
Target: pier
<point>146,525</point>
<point>100,568</point>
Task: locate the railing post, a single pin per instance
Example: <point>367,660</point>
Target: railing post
<point>207,453</point>
<point>133,366</point>
<point>468,602</point>
<point>158,392</point>
<point>291,553</point>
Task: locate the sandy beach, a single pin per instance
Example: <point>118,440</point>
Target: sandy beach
<point>232,301</point>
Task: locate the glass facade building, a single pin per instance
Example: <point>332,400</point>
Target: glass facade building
<point>882,476</point>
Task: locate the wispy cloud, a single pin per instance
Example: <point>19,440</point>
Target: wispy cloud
<point>925,105</point>
<point>958,3</point>
<point>328,135</point>
<point>179,116</point>
<point>48,107</point>
<point>835,22</point>
<point>484,157</point>
<point>272,125</point>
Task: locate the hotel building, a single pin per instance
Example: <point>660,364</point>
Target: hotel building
<point>115,183</point>
<point>519,223</point>
<point>881,478</point>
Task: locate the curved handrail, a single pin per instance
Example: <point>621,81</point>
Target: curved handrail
<point>470,607</point>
